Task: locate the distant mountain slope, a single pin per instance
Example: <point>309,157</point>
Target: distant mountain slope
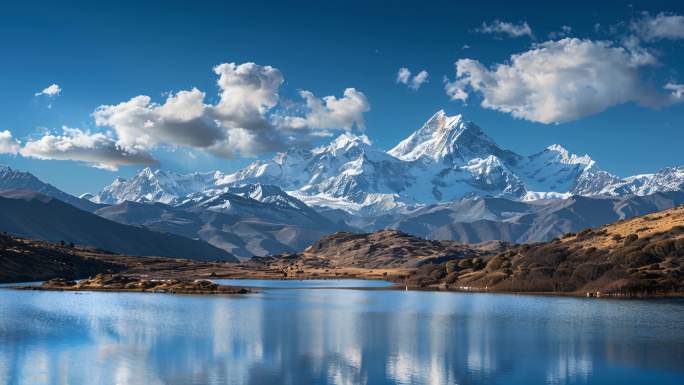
<point>34,215</point>
<point>478,219</point>
<point>20,180</point>
<point>244,220</point>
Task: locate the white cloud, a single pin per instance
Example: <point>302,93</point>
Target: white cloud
<point>403,75</point>
<point>241,123</point>
<point>677,90</point>
<point>414,83</point>
<point>50,91</point>
<point>247,120</point>
<point>560,81</point>
<point>8,145</point>
<point>456,89</point>
<point>506,28</point>
<point>183,120</point>
<point>248,91</point>
<point>660,26</point>
<point>96,149</point>
<point>330,112</point>
<point>418,80</point>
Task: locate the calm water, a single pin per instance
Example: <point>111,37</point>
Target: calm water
<point>323,334</point>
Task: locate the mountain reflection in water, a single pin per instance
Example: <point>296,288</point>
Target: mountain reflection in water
<point>336,336</point>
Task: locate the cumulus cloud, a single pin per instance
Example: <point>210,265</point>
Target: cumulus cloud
<point>403,75</point>
<point>248,119</point>
<point>97,149</point>
<point>330,112</point>
<point>241,123</point>
<point>8,145</point>
<point>499,27</point>
<point>248,91</point>
<point>560,81</point>
<point>182,120</point>
<point>50,91</point>
<point>661,26</point>
<point>418,80</point>
<point>414,83</point>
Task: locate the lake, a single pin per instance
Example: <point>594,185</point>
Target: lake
<point>336,332</point>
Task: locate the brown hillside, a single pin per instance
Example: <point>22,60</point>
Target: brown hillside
<point>643,256</point>
<point>390,248</point>
<point>23,260</point>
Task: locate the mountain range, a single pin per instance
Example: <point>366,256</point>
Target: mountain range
<point>448,181</point>
<point>447,159</point>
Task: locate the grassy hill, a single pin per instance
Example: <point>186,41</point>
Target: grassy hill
<point>643,256</point>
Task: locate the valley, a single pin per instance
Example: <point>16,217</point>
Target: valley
<point>445,209</point>
<point>641,257</point>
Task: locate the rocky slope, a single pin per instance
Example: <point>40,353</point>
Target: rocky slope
<point>29,214</point>
<point>120,282</point>
<point>477,219</point>
<point>380,249</point>
<point>244,220</point>
<point>643,256</point>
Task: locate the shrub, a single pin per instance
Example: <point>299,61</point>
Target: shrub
<point>630,238</point>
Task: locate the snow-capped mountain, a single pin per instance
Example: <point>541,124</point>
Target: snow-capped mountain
<point>449,140</point>
<point>667,179</point>
<point>244,220</point>
<point>21,180</point>
<point>446,159</point>
<point>156,186</point>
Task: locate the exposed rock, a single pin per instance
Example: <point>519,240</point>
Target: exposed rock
<point>119,282</point>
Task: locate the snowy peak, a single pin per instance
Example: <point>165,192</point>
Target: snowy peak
<point>558,153</point>
<point>344,143</point>
<point>267,194</point>
<point>445,137</point>
<point>667,179</point>
<point>150,185</point>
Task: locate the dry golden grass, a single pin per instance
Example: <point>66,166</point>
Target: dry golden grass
<point>644,226</point>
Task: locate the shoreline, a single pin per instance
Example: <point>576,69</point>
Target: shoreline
<point>124,283</point>
<point>219,289</point>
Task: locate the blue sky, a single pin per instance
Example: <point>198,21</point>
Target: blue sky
<point>104,54</point>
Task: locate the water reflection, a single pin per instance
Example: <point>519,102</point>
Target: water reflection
<point>335,336</point>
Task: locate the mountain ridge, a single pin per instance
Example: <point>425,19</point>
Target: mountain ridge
<point>34,215</point>
<point>446,159</point>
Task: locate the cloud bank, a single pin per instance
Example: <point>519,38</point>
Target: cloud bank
<point>246,120</point>
<point>96,149</point>
<point>561,81</point>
